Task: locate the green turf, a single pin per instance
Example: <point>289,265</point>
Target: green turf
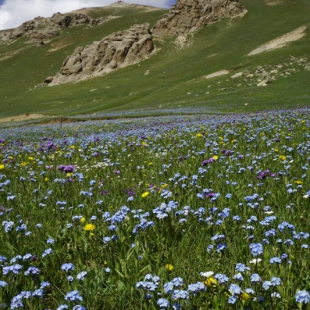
<point>177,77</point>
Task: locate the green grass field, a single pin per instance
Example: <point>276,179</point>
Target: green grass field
<point>177,77</point>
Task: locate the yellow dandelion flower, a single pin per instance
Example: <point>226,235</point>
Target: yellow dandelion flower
<point>30,158</point>
<point>82,220</point>
<point>164,185</point>
<point>210,282</point>
<point>282,157</point>
<point>215,157</point>
<point>169,267</point>
<point>199,135</point>
<point>298,182</point>
<point>72,146</point>
<point>145,194</point>
<point>89,227</point>
<point>46,179</point>
<point>1,166</point>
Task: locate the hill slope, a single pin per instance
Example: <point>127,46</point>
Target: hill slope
<point>174,79</point>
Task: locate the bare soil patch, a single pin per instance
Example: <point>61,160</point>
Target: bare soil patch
<point>273,2</point>
<point>22,117</point>
<point>281,41</point>
<point>218,73</point>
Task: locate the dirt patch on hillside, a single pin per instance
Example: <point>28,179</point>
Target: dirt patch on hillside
<point>12,53</point>
<point>281,41</point>
<point>22,117</point>
<point>218,73</point>
<point>273,2</point>
<point>57,46</point>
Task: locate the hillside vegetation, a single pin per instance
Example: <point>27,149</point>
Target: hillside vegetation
<point>173,79</point>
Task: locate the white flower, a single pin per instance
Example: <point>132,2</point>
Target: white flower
<point>255,261</point>
<point>207,274</point>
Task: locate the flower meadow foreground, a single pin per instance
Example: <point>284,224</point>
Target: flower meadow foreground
<point>201,212</point>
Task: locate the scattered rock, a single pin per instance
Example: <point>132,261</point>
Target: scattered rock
<point>264,83</point>
<point>236,75</point>
<point>118,50</point>
<point>307,67</point>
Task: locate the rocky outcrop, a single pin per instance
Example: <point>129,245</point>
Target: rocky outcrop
<point>40,29</point>
<point>118,50</point>
<point>188,16</point>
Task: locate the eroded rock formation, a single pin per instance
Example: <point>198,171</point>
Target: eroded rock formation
<point>40,29</point>
<point>188,16</point>
<point>118,50</point>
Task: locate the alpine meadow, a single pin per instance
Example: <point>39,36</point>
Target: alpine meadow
<point>157,159</point>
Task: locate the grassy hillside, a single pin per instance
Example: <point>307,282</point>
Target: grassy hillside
<point>177,77</point>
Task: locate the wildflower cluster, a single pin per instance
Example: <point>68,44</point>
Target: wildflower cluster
<point>171,213</point>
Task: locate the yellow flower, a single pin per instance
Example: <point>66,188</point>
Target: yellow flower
<point>244,296</point>
<point>46,179</point>
<point>282,157</point>
<point>199,135</point>
<point>1,166</point>
<point>72,146</point>
<point>169,267</point>
<point>82,220</point>
<point>150,164</point>
<point>276,150</point>
<point>89,227</point>
<point>164,185</point>
<point>24,164</point>
<point>215,157</point>
<point>233,141</point>
<point>30,158</point>
<point>298,182</point>
<point>210,281</point>
<point>145,194</point>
